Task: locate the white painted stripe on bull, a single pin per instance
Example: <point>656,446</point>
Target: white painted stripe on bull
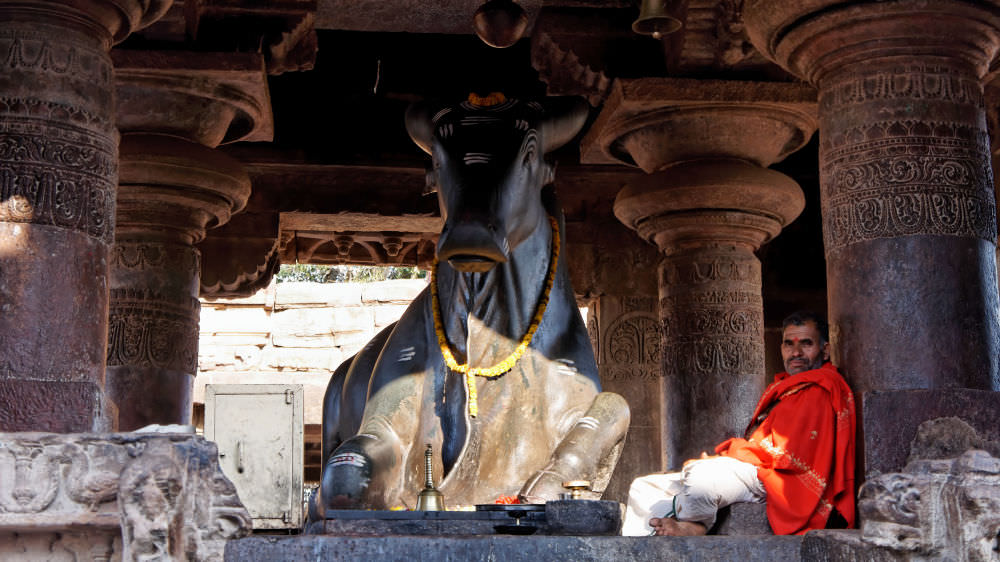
<point>437,116</point>
<point>588,422</point>
<point>477,158</point>
<point>566,367</point>
<point>406,354</point>
<point>521,124</point>
<point>479,119</point>
<point>351,459</point>
<point>445,131</point>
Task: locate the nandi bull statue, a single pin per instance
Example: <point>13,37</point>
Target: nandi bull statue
<point>491,364</point>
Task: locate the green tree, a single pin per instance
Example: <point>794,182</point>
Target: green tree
<point>346,273</point>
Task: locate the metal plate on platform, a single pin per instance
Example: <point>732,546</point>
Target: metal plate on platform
<point>525,507</point>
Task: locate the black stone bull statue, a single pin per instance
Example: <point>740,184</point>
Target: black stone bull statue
<point>531,415</point>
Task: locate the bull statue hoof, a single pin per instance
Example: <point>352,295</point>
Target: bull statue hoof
<point>491,365</point>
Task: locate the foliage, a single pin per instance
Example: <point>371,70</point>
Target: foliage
<point>346,273</point>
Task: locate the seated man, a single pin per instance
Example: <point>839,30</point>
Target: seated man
<point>797,454</point>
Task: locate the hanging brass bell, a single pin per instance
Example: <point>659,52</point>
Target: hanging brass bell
<point>429,499</point>
<point>654,19</point>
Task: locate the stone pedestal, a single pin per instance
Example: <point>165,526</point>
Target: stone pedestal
<point>58,176</point>
<point>708,202</point>
<point>907,191</point>
<point>173,186</point>
<point>115,497</point>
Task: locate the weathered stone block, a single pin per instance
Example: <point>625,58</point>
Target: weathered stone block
<point>354,319</point>
<point>515,549</point>
<point>291,295</point>
<point>890,419</point>
<point>387,314</point>
<point>118,496</point>
<point>743,519</point>
<point>233,320</point>
<point>397,290</point>
<point>934,509</point>
<point>255,336</point>
<point>300,359</point>
<point>352,342</point>
<point>303,327</point>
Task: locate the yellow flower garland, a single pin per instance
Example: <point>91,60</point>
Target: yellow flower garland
<point>508,363</point>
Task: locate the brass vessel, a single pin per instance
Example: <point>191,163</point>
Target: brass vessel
<point>576,488</point>
<point>429,499</point>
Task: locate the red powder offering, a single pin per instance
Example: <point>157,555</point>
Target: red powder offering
<point>507,500</point>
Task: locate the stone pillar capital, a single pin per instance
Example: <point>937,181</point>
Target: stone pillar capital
<point>112,20</point>
<point>207,98</point>
<point>169,185</point>
<point>656,122</point>
<point>710,201</point>
<point>813,38</point>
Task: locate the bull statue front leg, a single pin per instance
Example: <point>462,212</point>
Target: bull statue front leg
<point>368,464</point>
<point>588,452</point>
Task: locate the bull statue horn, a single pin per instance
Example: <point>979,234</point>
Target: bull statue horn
<point>564,117</point>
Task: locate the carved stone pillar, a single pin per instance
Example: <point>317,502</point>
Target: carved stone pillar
<point>58,175</point>
<point>907,193</point>
<point>708,203</point>
<point>172,109</point>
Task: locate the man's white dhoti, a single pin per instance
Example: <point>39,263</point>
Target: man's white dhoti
<point>695,493</point>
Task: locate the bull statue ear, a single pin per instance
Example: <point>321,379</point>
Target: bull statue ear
<point>564,117</point>
<point>419,125</point>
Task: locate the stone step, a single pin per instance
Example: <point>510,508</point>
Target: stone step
<point>272,548</point>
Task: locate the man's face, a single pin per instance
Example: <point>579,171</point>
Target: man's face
<point>802,349</point>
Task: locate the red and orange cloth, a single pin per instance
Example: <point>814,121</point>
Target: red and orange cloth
<point>803,448</point>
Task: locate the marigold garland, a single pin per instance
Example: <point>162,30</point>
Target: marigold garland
<point>508,363</point>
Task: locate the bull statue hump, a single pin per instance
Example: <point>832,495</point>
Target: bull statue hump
<point>531,415</point>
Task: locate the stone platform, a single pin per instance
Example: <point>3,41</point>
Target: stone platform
<point>514,549</point>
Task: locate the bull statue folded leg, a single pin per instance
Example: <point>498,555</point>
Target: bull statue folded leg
<point>529,418</point>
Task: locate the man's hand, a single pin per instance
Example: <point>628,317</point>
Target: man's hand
<point>670,527</point>
<point>704,455</point>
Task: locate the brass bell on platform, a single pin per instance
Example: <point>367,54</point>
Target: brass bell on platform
<point>429,498</point>
<point>654,19</point>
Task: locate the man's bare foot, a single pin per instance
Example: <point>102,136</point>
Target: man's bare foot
<point>670,527</point>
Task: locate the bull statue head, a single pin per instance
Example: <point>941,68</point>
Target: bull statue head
<point>489,168</point>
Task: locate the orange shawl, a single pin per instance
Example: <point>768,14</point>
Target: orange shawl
<point>804,449</point>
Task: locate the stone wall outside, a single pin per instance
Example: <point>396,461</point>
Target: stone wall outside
<point>295,333</point>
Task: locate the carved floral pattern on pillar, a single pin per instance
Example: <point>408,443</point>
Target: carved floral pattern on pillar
<point>147,330</point>
<point>632,347</point>
<point>905,181</point>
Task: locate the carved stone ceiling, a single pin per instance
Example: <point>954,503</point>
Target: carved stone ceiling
<point>342,72</point>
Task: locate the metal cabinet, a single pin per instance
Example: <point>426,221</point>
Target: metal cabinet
<point>258,429</point>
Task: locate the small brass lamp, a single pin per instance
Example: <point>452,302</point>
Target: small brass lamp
<point>429,499</point>
<point>654,19</point>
